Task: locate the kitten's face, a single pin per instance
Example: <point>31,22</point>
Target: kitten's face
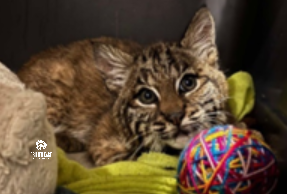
<point>168,92</point>
<point>171,95</point>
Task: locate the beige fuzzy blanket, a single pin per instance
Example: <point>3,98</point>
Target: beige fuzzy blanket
<point>22,123</point>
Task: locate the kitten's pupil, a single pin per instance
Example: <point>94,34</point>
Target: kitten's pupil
<point>187,83</point>
<point>146,96</point>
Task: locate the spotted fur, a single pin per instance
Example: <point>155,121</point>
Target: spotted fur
<point>117,98</point>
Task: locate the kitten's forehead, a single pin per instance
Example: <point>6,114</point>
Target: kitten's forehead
<point>162,62</point>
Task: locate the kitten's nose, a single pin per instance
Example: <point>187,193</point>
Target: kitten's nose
<point>176,117</point>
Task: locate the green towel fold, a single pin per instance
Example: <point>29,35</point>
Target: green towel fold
<point>149,174</point>
<point>152,173</point>
<point>241,93</point>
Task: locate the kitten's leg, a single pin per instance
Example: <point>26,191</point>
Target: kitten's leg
<point>57,112</point>
<point>243,125</point>
<point>108,144</point>
<point>69,144</point>
<point>106,151</point>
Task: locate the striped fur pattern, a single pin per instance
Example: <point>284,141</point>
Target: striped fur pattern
<point>174,111</point>
<point>175,115</point>
<point>117,98</point>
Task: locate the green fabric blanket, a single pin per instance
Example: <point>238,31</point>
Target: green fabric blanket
<point>152,173</point>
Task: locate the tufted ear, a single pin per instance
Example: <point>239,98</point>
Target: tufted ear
<point>200,37</point>
<point>114,66</point>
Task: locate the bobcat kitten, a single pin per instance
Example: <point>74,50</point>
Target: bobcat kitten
<point>115,97</point>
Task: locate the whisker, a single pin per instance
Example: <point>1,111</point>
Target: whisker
<point>203,125</point>
<point>197,125</point>
<point>153,144</point>
<point>210,114</point>
<point>136,137</point>
<point>216,121</point>
<point>114,158</point>
<point>137,150</point>
<point>226,112</point>
<point>218,113</point>
<point>221,100</point>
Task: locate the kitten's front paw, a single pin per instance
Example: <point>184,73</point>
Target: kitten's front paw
<point>108,157</point>
<point>258,134</point>
<point>241,125</point>
<point>107,153</point>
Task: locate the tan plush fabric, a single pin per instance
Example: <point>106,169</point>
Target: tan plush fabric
<point>22,123</point>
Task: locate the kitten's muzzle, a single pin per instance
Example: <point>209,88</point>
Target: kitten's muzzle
<point>187,129</point>
<point>182,136</point>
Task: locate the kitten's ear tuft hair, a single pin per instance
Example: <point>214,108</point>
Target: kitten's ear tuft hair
<point>114,65</point>
<point>200,37</point>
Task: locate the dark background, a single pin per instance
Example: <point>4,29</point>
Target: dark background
<point>251,36</point>
<point>29,26</point>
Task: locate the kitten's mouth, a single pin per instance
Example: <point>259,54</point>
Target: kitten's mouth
<point>182,137</point>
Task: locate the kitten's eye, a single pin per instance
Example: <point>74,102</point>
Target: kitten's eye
<point>187,83</point>
<point>147,96</point>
